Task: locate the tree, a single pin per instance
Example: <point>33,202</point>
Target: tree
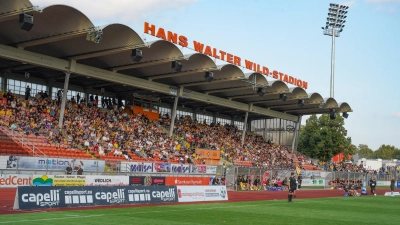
<point>323,138</point>
<point>365,152</point>
<point>387,152</point>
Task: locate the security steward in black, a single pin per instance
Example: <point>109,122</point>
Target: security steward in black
<point>292,187</point>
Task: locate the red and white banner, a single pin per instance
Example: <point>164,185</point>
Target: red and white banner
<point>190,181</point>
<point>15,180</point>
<point>190,193</point>
<point>202,193</point>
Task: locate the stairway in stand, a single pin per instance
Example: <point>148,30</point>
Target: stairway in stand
<point>11,148</point>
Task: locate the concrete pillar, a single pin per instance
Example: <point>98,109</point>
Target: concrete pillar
<point>244,126</point>
<point>64,99</point>
<point>171,128</point>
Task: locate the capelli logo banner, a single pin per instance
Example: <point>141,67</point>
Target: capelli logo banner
<point>31,197</point>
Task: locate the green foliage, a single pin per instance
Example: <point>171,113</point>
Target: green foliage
<point>387,152</point>
<point>365,152</point>
<point>323,138</point>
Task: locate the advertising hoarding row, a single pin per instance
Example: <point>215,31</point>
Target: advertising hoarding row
<point>61,197</point>
<point>142,167</point>
<point>15,180</point>
<point>39,163</point>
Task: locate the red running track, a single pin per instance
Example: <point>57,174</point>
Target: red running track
<point>7,196</point>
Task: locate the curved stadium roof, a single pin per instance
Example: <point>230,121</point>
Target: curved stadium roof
<point>57,44</point>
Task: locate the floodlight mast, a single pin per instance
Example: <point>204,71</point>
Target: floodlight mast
<point>334,26</point>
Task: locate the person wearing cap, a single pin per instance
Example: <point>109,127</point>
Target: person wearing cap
<point>292,187</point>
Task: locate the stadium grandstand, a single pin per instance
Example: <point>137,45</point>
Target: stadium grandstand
<point>71,89</point>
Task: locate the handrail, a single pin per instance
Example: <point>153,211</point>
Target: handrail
<point>24,141</point>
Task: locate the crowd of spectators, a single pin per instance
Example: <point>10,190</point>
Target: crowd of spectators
<point>114,131</point>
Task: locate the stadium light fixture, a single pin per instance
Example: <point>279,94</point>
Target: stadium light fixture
<point>334,26</point>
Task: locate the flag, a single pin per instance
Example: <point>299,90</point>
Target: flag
<point>298,170</point>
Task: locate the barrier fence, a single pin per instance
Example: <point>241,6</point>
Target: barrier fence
<point>16,164</point>
<point>29,197</point>
<point>322,179</point>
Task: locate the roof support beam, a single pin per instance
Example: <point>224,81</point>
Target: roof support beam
<point>144,64</point>
<point>227,89</point>
<point>55,38</point>
<point>177,74</point>
<point>213,82</point>
<point>41,60</point>
<point>101,53</point>
<point>14,15</point>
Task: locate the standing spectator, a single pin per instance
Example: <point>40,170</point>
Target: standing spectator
<point>292,187</point>
<point>299,180</point>
<point>96,98</point>
<point>372,185</point>
<point>68,170</point>
<point>79,170</point>
<point>27,92</point>
<point>78,98</point>
<point>59,95</point>
<point>392,183</point>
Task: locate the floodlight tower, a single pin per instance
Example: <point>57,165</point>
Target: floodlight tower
<point>334,26</point>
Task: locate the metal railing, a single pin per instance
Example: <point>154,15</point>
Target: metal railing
<point>16,136</point>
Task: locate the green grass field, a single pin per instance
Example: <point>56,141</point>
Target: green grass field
<point>340,210</point>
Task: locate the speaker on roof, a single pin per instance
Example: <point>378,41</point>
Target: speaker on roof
<point>25,21</point>
<point>208,76</point>
<point>261,91</point>
<point>136,55</point>
<point>345,115</point>
<point>332,114</point>
<point>177,66</point>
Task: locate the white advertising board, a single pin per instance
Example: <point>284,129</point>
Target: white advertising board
<point>107,180</point>
<point>202,193</point>
<point>314,183</point>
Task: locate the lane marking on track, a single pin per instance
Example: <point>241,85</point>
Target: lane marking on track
<point>73,216</point>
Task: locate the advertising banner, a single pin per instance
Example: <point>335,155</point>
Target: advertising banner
<point>398,184</point>
<point>196,169</point>
<point>38,163</point>
<point>107,181</point>
<point>203,169</point>
<point>202,193</point>
<point>141,167</point>
<point>215,193</point>
<point>146,180</point>
<point>15,180</point>
<point>58,197</point>
<point>211,170</point>
<point>317,174</point>
<point>309,182</point>
<point>208,154</point>
<point>382,183</point>
<point>198,181</point>
<point>136,180</point>
<point>58,180</point>
<point>190,193</point>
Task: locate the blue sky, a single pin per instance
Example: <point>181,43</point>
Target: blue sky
<point>287,36</point>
